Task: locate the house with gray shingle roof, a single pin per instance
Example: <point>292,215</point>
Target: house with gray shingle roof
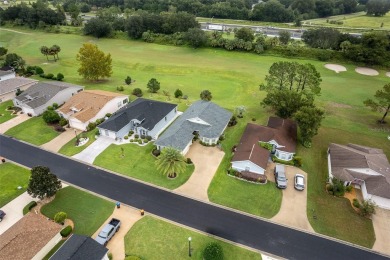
<point>143,116</point>
<point>203,118</point>
<point>365,168</point>
<point>9,87</point>
<point>80,247</point>
<point>38,97</point>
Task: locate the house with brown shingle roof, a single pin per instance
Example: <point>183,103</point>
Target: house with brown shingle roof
<point>251,157</point>
<point>365,168</point>
<point>32,237</point>
<point>90,105</point>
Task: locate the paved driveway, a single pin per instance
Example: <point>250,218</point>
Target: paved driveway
<point>13,122</point>
<point>56,144</point>
<point>128,216</point>
<point>90,153</point>
<point>381,222</point>
<point>293,209</point>
<point>14,211</point>
<point>206,161</point>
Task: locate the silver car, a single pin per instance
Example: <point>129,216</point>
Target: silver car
<point>299,182</point>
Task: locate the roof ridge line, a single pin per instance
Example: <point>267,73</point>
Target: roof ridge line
<point>250,155</point>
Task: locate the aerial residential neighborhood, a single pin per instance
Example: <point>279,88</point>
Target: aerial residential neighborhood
<point>207,130</point>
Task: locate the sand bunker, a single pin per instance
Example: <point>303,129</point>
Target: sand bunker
<point>335,67</point>
<point>388,74</point>
<point>366,71</point>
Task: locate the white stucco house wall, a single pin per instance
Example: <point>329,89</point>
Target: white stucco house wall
<point>90,105</point>
<point>205,119</point>
<point>142,116</point>
<point>7,74</point>
<point>9,87</point>
<point>365,168</point>
<point>38,97</point>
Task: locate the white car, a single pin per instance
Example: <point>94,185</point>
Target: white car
<point>299,182</point>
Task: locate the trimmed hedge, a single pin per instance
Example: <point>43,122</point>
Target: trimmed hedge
<point>66,231</point>
<point>213,251</point>
<point>28,207</point>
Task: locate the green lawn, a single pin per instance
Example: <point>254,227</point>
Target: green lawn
<point>5,115</point>
<point>151,238</point>
<point>233,78</point>
<point>138,163</point>
<point>12,176</point>
<point>71,149</point>
<point>34,131</point>
<point>355,20</point>
<point>261,200</point>
<point>87,211</point>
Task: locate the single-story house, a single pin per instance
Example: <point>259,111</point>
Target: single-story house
<point>88,106</point>
<point>365,168</point>
<point>32,237</point>
<point>203,118</point>
<point>143,116</point>
<point>9,87</point>
<point>7,74</point>
<point>249,156</point>
<point>38,97</point>
<point>80,247</point>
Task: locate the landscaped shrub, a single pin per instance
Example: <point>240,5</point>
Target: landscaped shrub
<point>59,128</point>
<point>131,140</point>
<point>137,92</point>
<point>145,141</point>
<point>367,208</point>
<point>97,133</point>
<point>356,203</point>
<point>63,122</point>
<point>50,76</point>
<point>91,126</point>
<point>348,188</point>
<point>213,251</point>
<point>60,217</point>
<point>156,152</point>
<point>131,132</point>
<point>140,141</point>
<point>60,76</point>
<point>136,136</point>
<point>108,114</point>
<point>297,160</point>
<point>189,161</point>
<point>221,138</point>
<point>277,160</point>
<point>142,136</point>
<point>66,231</point>
<point>338,187</point>
<point>55,106</point>
<point>120,88</point>
<point>50,116</point>
<point>126,137</point>
<point>38,70</point>
<point>267,146</point>
<point>28,207</point>
<point>253,119</point>
<point>232,121</point>
<point>234,148</point>
<point>149,138</point>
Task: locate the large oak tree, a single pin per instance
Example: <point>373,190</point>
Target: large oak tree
<point>43,183</point>
<point>94,64</point>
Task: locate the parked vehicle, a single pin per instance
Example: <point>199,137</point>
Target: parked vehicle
<point>2,215</point>
<point>280,176</point>
<point>108,231</point>
<point>299,182</point>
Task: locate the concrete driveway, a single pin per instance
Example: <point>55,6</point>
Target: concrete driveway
<point>293,209</point>
<point>90,153</point>
<point>206,161</point>
<point>128,216</point>
<point>381,222</point>
<point>13,122</point>
<point>14,211</point>
<point>56,144</point>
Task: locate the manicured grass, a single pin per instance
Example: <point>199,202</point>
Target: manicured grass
<point>34,131</point>
<point>12,176</point>
<point>87,211</point>
<point>71,149</point>
<point>151,238</point>
<point>53,250</point>
<point>139,163</point>
<point>261,200</point>
<point>355,20</point>
<point>5,114</point>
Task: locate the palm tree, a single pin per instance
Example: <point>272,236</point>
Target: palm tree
<point>171,162</point>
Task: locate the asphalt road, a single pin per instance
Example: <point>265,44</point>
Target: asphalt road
<point>243,229</point>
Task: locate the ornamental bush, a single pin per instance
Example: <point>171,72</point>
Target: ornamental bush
<point>66,231</point>
<point>60,217</point>
<point>137,92</point>
<point>63,122</point>
<point>213,251</point>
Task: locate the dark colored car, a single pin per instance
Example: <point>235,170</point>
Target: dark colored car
<point>2,215</point>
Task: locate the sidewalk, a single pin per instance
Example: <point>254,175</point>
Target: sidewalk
<point>56,144</point>
<point>14,211</point>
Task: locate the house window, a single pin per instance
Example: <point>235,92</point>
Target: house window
<point>165,118</point>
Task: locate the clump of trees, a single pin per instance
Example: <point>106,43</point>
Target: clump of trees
<point>52,51</point>
<point>94,63</point>
<point>291,89</point>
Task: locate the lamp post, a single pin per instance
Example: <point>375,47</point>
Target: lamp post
<point>189,246</point>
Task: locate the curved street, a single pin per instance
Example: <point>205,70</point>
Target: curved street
<point>227,224</point>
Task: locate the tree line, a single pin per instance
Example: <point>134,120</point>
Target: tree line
<point>37,14</point>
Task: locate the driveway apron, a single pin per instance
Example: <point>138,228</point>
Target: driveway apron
<point>381,222</point>
<point>90,153</point>
<point>206,161</point>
